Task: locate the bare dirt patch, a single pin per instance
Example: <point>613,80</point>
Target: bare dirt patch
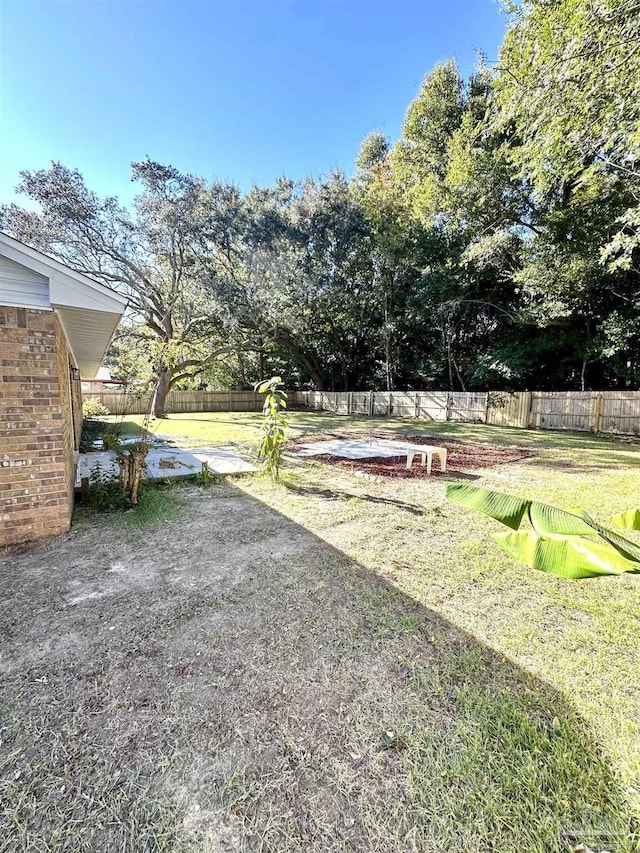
<point>229,681</point>
<point>212,685</point>
<point>462,456</point>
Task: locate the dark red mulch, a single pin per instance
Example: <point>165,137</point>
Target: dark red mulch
<point>461,455</point>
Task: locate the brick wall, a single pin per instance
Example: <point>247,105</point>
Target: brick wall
<point>37,465</point>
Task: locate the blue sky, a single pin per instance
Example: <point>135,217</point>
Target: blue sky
<point>245,91</point>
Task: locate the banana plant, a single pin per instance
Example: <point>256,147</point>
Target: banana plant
<point>568,544</point>
<point>273,426</point>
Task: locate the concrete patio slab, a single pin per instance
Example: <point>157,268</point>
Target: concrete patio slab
<point>221,460</point>
<point>362,448</point>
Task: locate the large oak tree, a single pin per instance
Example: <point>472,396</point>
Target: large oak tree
<point>175,255</point>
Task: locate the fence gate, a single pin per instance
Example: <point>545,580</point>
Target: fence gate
<point>467,407</point>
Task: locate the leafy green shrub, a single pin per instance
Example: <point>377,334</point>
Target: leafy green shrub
<point>104,491</point>
<point>93,408</point>
<point>273,425</point>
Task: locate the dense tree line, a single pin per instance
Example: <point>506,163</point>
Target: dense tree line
<point>496,244</point>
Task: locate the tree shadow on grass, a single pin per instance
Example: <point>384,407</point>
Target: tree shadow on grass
<point>213,418</point>
<point>560,464</point>
<point>559,439</point>
<point>232,681</point>
<point>341,495</point>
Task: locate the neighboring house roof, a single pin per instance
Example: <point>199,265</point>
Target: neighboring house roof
<point>88,311</point>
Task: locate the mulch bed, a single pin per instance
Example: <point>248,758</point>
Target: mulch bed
<point>461,455</point>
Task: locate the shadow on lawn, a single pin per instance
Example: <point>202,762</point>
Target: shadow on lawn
<point>232,681</point>
<point>340,495</point>
<point>204,417</point>
<point>532,438</point>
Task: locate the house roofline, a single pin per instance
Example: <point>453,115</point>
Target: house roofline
<point>63,269</point>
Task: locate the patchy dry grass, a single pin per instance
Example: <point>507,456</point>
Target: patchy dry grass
<point>334,663</point>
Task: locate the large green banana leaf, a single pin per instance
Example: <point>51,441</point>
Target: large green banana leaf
<point>568,557</point>
<point>572,556</point>
<point>630,519</point>
<point>548,520</point>
<point>505,508</point>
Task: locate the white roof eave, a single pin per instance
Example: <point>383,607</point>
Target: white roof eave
<point>88,334</point>
<point>88,311</point>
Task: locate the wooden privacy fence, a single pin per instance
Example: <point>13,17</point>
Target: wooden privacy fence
<point>128,403</point>
<point>584,411</point>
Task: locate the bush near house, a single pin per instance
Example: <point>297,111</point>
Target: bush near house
<point>93,408</point>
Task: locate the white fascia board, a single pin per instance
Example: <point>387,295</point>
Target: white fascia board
<point>31,307</point>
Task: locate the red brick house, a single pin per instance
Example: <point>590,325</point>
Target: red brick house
<point>55,325</point>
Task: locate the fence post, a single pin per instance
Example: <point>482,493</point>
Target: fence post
<point>371,395</point>
<point>449,406</point>
<point>390,404</point>
<point>415,404</point>
<point>600,411</point>
<point>596,422</point>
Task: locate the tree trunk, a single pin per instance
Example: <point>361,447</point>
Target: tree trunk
<point>583,375</point>
<point>457,370</point>
<point>447,343</point>
<point>241,371</point>
<point>387,345</point>
<point>303,359</point>
<point>131,463</point>
<point>138,455</point>
<point>163,385</point>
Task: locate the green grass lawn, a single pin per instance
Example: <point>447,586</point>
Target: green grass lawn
<point>217,428</point>
<point>580,638</point>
